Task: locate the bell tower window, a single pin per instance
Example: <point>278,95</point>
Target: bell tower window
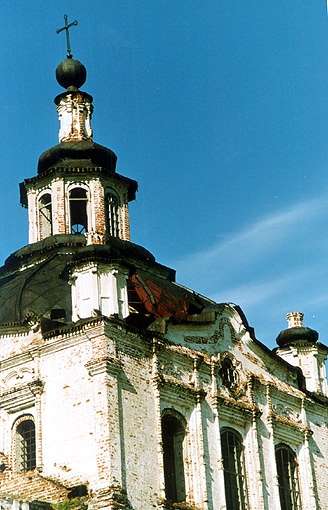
<point>112,214</point>
<point>45,216</point>
<point>78,201</point>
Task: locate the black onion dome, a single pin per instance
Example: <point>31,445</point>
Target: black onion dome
<point>71,74</point>
<point>297,335</point>
<point>85,153</point>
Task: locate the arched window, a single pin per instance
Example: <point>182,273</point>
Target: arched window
<point>112,214</point>
<point>173,434</point>
<point>78,201</point>
<point>234,470</point>
<point>25,445</point>
<point>45,216</point>
<point>287,470</point>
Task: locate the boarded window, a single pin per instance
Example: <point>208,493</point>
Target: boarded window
<point>234,470</point>
<point>78,202</point>
<point>45,216</point>
<point>287,470</point>
<point>25,446</point>
<point>173,434</point>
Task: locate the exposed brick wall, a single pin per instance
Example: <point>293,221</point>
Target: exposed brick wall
<point>98,208</point>
<point>58,207</point>
<point>31,485</point>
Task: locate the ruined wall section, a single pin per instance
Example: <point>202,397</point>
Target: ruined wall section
<point>17,489</point>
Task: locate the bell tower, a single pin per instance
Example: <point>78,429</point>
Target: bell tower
<point>77,189</point>
<point>78,198</point>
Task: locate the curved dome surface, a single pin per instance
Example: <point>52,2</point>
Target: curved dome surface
<point>71,74</point>
<point>77,154</point>
<point>296,334</point>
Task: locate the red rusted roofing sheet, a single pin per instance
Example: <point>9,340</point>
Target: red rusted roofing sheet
<point>163,298</point>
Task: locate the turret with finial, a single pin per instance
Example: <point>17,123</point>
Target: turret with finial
<point>74,107</point>
<point>77,189</point>
<point>299,346</point>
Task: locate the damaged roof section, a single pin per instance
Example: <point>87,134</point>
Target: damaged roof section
<point>35,282</point>
<point>37,289</point>
<point>162,299</point>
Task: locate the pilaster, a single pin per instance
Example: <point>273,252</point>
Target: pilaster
<point>104,373</point>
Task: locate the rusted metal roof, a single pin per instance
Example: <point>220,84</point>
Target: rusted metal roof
<point>162,298</point>
<point>34,281</point>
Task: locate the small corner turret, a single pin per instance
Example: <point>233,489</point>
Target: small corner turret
<point>299,346</point>
<point>77,189</point>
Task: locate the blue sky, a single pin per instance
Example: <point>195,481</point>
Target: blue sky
<point>219,109</point>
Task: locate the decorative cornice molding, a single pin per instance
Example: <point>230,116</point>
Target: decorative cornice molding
<point>216,337</point>
<point>17,399</point>
<point>105,365</point>
<point>234,411</point>
<point>170,386</point>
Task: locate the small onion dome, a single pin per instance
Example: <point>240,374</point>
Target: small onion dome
<point>296,335</point>
<point>71,74</point>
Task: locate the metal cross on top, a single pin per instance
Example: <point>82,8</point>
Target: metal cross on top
<point>67,27</point>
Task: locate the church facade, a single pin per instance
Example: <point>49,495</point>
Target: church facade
<point>121,389</point>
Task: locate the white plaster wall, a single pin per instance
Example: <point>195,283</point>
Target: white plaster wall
<point>319,452</point>
<point>137,416</point>
<point>68,435</point>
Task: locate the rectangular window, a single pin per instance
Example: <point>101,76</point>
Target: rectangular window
<point>234,470</point>
<point>287,471</point>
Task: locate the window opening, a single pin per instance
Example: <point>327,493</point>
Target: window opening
<point>112,214</point>
<point>78,211</point>
<point>25,446</point>
<point>173,433</point>
<point>45,216</point>
<point>228,374</point>
<point>234,471</point>
<point>287,470</point>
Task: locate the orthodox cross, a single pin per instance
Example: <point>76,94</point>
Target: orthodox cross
<point>67,27</point>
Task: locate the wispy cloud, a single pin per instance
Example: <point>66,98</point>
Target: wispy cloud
<point>256,242</point>
<point>255,292</point>
<point>276,263</point>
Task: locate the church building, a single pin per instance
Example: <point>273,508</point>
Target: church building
<point>121,389</point>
